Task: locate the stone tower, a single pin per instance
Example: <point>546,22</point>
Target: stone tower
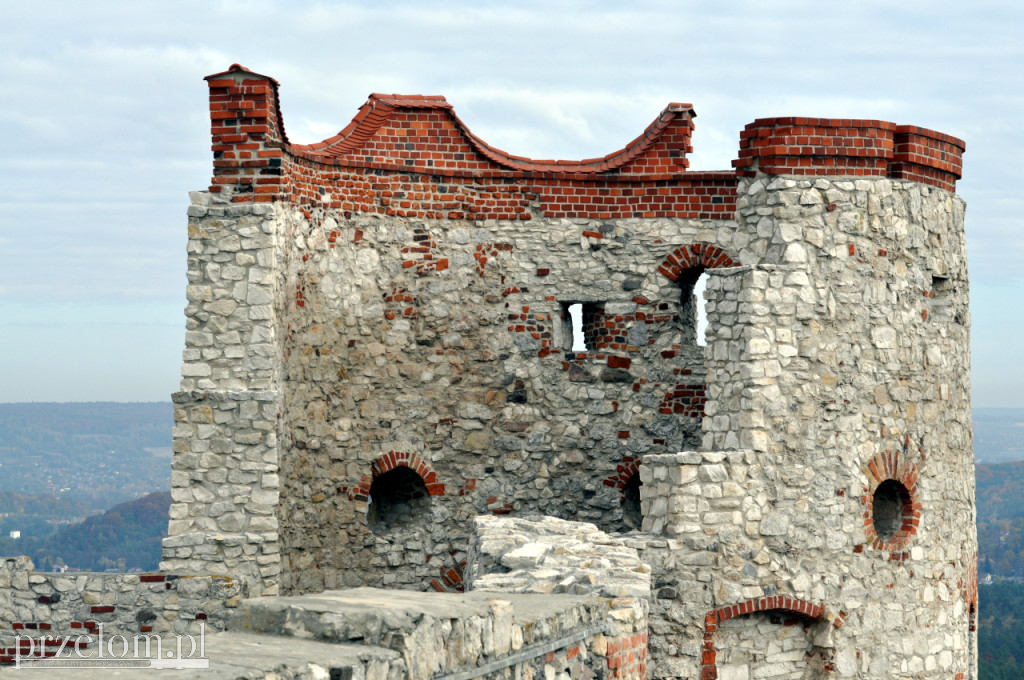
<point>380,346</point>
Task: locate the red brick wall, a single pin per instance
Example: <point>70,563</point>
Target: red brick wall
<point>839,146</point>
<point>411,156</point>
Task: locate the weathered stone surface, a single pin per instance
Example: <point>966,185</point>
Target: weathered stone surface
<point>512,555</point>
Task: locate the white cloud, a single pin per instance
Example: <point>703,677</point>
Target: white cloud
<point>106,126</point>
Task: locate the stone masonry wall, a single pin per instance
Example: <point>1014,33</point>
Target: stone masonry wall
<point>72,609</point>
<point>842,493</point>
<point>224,478</point>
<point>552,557</point>
<point>473,377</point>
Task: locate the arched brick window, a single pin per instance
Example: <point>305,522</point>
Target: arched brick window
<point>780,609</point>
<point>892,511</point>
<point>627,480</point>
<point>684,266</point>
<point>398,492</point>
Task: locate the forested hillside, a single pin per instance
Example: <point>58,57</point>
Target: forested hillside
<point>126,536</point>
<point>1001,631</point>
<point>1000,500</point>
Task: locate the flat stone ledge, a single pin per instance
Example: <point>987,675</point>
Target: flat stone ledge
<point>363,613</point>
<point>248,656</point>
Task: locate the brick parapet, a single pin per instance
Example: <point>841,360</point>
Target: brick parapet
<point>410,155</point>
<point>839,146</point>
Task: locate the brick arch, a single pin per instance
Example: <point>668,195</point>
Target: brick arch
<point>792,606</point>
<point>894,466</point>
<point>629,466</point>
<point>698,254</point>
<point>778,603</point>
<point>395,459</point>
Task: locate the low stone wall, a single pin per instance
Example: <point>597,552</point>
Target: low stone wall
<point>548,555</point>
<point>447,635</point>
<point>34,604</point>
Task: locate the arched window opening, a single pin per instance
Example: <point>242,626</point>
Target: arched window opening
<point>701,316</point>
<point>891,508</point>
<point>692,316</point>
<point>398,498</point>
<point>632,516</point>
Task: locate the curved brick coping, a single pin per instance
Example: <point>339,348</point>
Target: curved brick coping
<point>410,156</point>
<point>883,467</point>
<point>380,107</point>
<point>427,144</point>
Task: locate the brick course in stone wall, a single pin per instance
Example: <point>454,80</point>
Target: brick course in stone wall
<point>44,613</point>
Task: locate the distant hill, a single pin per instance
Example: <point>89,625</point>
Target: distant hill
<point>998,434</point>
<point>126,536</point>
<point>999,494</point>
<point>100,453</point>
<point>1000,491</point>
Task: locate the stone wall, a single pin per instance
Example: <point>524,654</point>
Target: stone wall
<point>555,557</point>
<point>835,483</point>
<point>483,635</point>
<point>67,606</point>
<point>471,381</point>
<point>224,478</point>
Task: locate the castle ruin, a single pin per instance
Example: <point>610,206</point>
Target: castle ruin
<point>381,386</point>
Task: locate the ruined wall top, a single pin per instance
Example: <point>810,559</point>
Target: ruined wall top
<point>649,177</point>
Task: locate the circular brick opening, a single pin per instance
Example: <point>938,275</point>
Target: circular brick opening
<point>892,511</point>
<point>398,498</point>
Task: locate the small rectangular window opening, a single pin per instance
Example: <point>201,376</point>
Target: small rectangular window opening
<point>941,300</point>
<point>579,341</point>
<point>701,315</point>
<point>580,322</point>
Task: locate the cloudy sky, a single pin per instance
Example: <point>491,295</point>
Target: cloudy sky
<point>104,130</point>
